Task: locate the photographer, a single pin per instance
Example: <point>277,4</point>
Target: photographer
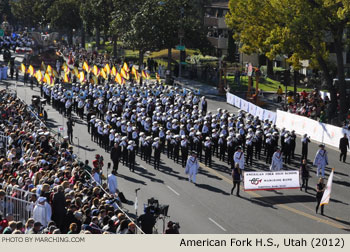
<point>147,221</point>
<point>172,228</point>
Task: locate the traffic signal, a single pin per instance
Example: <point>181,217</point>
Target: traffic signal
<point>237,57</point>
<point>286,77</point>
<point>282,79</point>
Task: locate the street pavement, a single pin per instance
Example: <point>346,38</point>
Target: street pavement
<point>208,207</point>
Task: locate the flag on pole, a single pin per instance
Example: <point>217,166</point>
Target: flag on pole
<point>82,77</point>
<point>103,74</point>
<point>23,68</point>
<point>114,71</point>
<point>30,70</point>
<point>86,66</point>
<point>39,76</point>
<point>107,69</point>
<point>125,67</point>
<point>66,78</point>
<point>327,192</point>
<point>96,71</point>
<point>157,77</point>
<point>124,74</point>
<point>49,70</point>
<point>118,79</point>
<point>43,66</point>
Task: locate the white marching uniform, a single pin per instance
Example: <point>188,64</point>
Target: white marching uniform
<point>238,158</point>
<point>192,167</point>
<point>277,162</point>
<point>321,160</point>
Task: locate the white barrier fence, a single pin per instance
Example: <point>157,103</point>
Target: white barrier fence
<point>251,108</point>
<point>320,132</point>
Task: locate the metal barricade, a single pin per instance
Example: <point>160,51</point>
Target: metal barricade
<point>3,142</point>
<point>16,203</point>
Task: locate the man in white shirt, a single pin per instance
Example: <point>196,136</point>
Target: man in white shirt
<point>112,183</point>
<point>238,158</point>
<point>277,160</point>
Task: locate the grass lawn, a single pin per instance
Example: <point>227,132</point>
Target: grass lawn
<point>268,85</point>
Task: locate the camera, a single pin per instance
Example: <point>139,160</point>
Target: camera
<point>155,208</point>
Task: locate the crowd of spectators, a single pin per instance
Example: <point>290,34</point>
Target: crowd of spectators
<point>55,190</point>
<point>309,104</point>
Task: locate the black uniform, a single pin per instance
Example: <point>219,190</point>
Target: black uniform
<point>184,152</point>
<point>304,147</point>
<point>207,153</point>
<point>70,125</point>
<point>343,147</point>
<point>157,152</point>
<point>116,153</point>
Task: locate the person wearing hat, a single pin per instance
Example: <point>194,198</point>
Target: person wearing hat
<point>304,146</point>
<point>223,147</point>
<point>169,144</point>
<point>184,150</point>
<point>157,151</point>
<point>277,161</point>
<point>148,149</point>
<point>269,147</point>
<point>238,158</point>
<point>287,149</point>
<point>321,160</point>
<point>192,167</point>
<point>176,150</point>
<point>116,153</point>
<point>207,151</point>
<point>124,149</point>
<point>198,145</point>
<point>250,149</point>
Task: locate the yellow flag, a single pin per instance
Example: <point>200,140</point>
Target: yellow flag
<point>103,74</point>
<point>30,70</point>
<point>49,70</point>
<point>66,78</point>
<point>86,66</point>
<point>96,71</point>
<point>114,71</point>
<point>43,66</point>
<point>23,68</point>
<point>107,69</point>
<point>82,77</point>
<point>76,72</point>
<point>125,67</point>
<point>123,74</point>
<point>118,79</point>
<point>39,76</point>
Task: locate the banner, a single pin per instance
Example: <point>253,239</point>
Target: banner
<point>252,109</point>
<point>271,180</point>
<point>244,105</point>
<point>230,99</point>
<point>237,102</point>
<point>269,115</point>
<point>332,134</point>
<point>260,113</point>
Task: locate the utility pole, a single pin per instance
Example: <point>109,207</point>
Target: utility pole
<point>181,35</point>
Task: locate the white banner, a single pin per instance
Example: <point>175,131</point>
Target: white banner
<point>237,102</point>
<point>269,115</point>
<point>244,105</point>
<point>302,125</point>
<point>252,109</point>
<point>260,112</point>
<point>271,180</point>
<point>230,99</point>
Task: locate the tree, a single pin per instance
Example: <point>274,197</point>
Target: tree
<point>301,29</point>
<point>24,13</point>
<point>65,16</point>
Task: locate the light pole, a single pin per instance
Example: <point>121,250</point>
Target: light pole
<point>181,35</point>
